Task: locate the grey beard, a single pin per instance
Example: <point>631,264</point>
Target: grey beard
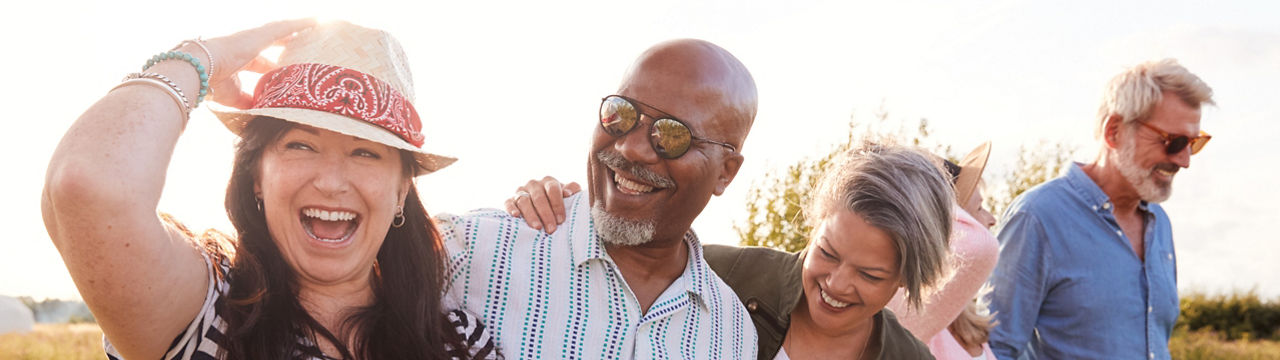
<point>1140,178</point>
<point>618,231</point>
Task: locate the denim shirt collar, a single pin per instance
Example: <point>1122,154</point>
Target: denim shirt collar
<point>1090,193</point>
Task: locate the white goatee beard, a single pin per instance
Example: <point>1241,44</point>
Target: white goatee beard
<point>618,231</point>
<point>1139,178</point>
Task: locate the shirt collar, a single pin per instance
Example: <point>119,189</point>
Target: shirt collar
<point>585,248</point>
<point>1089,191</point>
<point>698,278</point>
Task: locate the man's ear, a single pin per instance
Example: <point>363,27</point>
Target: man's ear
<point>729,169</point>
<point>1111,130</point>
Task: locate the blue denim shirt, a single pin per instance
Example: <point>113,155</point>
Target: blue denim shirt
<point>1068,284</point>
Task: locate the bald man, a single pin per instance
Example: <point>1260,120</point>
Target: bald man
<point>624,276</point>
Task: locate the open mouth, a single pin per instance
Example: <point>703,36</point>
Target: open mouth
<point>629,186</point>
<point>832,303</point>
<point>329,226</point>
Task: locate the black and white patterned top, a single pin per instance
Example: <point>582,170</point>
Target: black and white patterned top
<point>204,337</point>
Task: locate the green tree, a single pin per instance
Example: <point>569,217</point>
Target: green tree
<point>1035,165</point>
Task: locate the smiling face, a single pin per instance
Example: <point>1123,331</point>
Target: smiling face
<point>638,196</point>
<point>850,272</point>
<point>329,201</point>
<point>1141,157</point>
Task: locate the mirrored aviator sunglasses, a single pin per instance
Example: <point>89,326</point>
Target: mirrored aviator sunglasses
<point>1174,144</point>
<point>669,137</point>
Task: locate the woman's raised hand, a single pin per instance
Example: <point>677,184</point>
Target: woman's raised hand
<point>144,279</point>
<point>241,52</point>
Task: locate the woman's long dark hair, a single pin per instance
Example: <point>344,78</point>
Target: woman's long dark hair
<point>264,317</point>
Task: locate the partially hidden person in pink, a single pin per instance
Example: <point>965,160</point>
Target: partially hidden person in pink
<point>954,322</point>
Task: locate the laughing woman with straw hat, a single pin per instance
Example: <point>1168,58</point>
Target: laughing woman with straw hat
<point>334,256</point>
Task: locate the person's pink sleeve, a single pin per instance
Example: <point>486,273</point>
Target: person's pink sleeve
<point>974,252</point>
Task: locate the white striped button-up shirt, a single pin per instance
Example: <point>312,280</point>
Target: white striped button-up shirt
<point>560,296</point>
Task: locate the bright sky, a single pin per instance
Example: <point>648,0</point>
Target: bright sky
<point>511,89</point>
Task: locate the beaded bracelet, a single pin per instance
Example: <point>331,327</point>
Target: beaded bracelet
<point>168,55</point>
<point>200,42</point>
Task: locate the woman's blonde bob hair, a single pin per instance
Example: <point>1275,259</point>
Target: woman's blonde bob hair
<point>902,191</point>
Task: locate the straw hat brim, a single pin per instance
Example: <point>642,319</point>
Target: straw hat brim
<point>236,120</point>
<point>971,168</point>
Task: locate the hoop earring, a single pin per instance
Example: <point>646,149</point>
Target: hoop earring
<point>399,220</point>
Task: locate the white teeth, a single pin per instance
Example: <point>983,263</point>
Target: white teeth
<point>329,215</point>
<point>1165,172</point>
<point>631,185</point>
<point>833,302</point>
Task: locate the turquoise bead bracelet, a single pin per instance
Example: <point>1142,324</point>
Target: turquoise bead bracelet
<point>178,55</point>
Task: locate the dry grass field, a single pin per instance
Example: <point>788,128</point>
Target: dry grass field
<point>54,341</point>
<point>84,341</point>
<point>1208,345</point>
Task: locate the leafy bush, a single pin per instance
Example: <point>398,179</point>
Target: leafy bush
<point>1236,316</point>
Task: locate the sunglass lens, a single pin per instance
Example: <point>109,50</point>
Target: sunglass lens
<point>670,138</point>
<point>618,116</point>
<point>1177,144</point>
<point>1200,142</point>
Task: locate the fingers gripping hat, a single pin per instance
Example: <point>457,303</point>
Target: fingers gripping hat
<point>347,79</point>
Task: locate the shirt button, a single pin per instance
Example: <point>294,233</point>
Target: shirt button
<point>1170,256</point>
<point>1149,309</point>
<point>1151,355</point>
<point>752,305</point>
<point>1119,232</point>
<point>1095,208</point>
<point>1106,205</point>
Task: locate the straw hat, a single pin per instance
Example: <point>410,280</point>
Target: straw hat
<point>347,79</point>
<point>971,168</point>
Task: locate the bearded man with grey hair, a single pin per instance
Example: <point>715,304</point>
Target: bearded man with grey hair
<point>1087,267</point>
<point>624,276</point>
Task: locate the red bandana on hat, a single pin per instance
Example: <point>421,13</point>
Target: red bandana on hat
<point>341,91</point>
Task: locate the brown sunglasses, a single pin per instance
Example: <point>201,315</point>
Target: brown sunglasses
<point>1174,144</point>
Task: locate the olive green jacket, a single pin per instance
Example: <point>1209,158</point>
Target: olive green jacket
<point>767,282</point>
